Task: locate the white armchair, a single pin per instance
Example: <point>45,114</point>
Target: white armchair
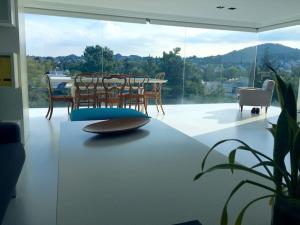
<point>257,96</point>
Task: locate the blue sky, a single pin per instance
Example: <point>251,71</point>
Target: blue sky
<point>60,36</point>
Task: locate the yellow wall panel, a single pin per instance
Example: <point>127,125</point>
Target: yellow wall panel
<point>6,71</point>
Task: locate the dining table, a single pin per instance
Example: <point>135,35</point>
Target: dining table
<point>70,80</point>
<point>145,177</point>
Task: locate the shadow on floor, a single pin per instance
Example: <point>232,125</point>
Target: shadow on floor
<point>231,115</point>
<point>254,134</point>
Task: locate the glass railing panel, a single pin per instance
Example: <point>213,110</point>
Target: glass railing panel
<point>218,63</point>
<point>279,48</point>
<point>60,47</point>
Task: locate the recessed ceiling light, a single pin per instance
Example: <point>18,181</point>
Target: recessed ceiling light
<point>232,8</point>
<point>220,7</point>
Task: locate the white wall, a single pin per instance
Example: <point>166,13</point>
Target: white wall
<point>14,100</point>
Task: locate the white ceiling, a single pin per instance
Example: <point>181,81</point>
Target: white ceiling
<point>251,15</point>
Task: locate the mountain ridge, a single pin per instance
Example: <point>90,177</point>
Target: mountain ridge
<point>267,51</point>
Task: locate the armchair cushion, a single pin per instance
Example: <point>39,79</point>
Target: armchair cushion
<point>257,96</point>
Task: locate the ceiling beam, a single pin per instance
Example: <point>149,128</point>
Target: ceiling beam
<point>71,10</point>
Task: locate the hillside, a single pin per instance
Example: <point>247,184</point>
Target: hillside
<point>279,54</point>
<point>276,52</point>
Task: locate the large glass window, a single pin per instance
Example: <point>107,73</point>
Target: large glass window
<point>59,46</point>
<point>217,63</point>
<point>201,65</point>
<point>280,49</point>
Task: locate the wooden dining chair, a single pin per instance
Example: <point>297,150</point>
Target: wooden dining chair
<point>54,97</point>
<point>100,91</point>
<point>135,95</point>
<point>85,90</point>
<point>154,92</point>
<point>114,87</point>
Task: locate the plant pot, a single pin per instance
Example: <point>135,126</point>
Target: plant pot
<point>285,212</point>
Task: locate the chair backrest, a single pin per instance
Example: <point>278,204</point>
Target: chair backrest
<point>85,88</point>
<point>114,86</point>
<point>49,86</point>
<point>160,76</point>
<point>268,85</point>
<point>137,84</point>
<point>85,83</point>
<point>158,86</point>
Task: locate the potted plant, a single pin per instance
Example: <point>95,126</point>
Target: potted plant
<point>285,193</point>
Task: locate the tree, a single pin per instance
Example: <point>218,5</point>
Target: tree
<point>37,88</point>
<point>150,67</point>
<point>193,85</point>
<point>172,65</point>
<point>210,74</point>
<point>232,72</point>
<point>98,59</point>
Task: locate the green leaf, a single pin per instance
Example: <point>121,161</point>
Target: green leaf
<point>295,158</point>
<point>293,125</point>
<point>286,95</point>
<point>234,167</point>
<point>282,142</point>
<point>217,144</point>
<point>272,131</point>
<point>264,163</point>
<point>285,174</point>
<point>281,89</point>
<point>290,102</point>
<point>271,201</point>
<point>241,214</point>
<point>257,154</point>
<point>224,217</point>
<point>231,158</point>
<point>253,151</point>
<point>198,176</point>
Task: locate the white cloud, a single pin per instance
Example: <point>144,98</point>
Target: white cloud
<point>49,37</point>
<point>53,36</point>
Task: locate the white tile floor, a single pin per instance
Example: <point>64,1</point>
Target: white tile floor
<point>207,123</point>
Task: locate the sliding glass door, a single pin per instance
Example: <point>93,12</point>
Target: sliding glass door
<point>201,65</point>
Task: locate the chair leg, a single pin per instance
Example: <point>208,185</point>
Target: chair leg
<point>266,110</point>
<point>51,111</point>
<point>71,103</point>
<point>125,103</point>
<point>156,103</point>
<point>146,102</point>
<point>130,102</point>
<point>145,106</point>
<point>138,103</point>
<point>160,102</point>
<point>49,106</point>
<point>241,108</point>
<point>77,102</point>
